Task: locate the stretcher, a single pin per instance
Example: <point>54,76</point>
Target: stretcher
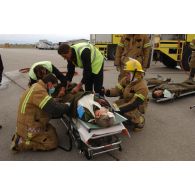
<point>174,96</point>
<point>92,140</point>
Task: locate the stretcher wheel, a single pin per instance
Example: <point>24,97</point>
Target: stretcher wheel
<point>120,148</point>
<point>78,144</point>
<point>88,155</point>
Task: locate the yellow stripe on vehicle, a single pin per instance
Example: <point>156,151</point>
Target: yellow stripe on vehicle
<point>44,101</point>
<point>140,96</point>
<point>26,100</point>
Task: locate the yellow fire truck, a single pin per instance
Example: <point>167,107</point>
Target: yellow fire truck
<point>106,43</point>
<point>173,50</point>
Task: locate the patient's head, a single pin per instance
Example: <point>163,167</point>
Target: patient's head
<point>104,118</point>
<point>158,93</point>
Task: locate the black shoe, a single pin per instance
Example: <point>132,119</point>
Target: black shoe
<point>128,125</point>
<point>0,126</point>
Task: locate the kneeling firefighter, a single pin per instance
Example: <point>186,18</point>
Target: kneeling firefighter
<point>133,93</point>
<point>36,108</point>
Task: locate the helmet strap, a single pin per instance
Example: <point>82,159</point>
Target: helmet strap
<point>134,75</point>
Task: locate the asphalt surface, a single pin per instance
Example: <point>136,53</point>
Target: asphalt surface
<point>169,132</point>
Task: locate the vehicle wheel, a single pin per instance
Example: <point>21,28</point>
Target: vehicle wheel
<point>187,52</point>
<point>111,52</point>
<point>167,61</point>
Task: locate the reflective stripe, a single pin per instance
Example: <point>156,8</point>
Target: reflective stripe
<point>140,96</point>
<point>44,101</point>
<point>121,44</point>
<point>26,100</point>
<point>147,45</point>
<point>29,135</point>
<point>119,86</point>
<point>27,142</point>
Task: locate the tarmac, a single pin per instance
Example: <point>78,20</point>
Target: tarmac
<point>168,134</point>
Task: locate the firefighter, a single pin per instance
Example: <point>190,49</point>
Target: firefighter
<point>136,46</point>
<point>1,69</point>
<point>192,61</point>
<point>133,93</point>
<point>90,59</point>
<point>36,108</point>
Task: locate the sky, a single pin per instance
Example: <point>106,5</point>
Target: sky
<point>33,38</point>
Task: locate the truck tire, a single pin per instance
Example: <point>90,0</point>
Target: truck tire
<point>111,51</point>
<point>167,61</point>
<point>187,52</point>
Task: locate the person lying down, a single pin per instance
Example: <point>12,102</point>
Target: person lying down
<point>89,108</point>
<point>173,90</point>
<point>152,82</point>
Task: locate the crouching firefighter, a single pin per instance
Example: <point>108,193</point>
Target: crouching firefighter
<point>36,108</point>
<point>133,93</point>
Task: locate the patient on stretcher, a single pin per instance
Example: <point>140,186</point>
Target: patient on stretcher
<point>153,82</point>
<point>173,90</point>
<point>89,108</point>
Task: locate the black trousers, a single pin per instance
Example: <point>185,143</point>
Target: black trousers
<point>1,69</point>
<point>95,81</point>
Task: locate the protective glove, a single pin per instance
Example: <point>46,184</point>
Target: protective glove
<point>115,107</point>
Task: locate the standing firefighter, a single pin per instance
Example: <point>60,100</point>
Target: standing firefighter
<point>135,46</point>
<point>90,59</point>
<point>33,131</point>
<point>133,93</point>
<point>192,61</point>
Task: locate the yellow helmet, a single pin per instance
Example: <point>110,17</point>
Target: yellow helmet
<point>133,65</point>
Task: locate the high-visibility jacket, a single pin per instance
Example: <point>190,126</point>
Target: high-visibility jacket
<point>96,56</point>
<point>135,46</point>
<point>45,64</point>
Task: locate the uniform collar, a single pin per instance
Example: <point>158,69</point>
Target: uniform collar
<point>40,82</point>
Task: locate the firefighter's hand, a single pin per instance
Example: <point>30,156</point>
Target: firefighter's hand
<point>115,107</point>
<point>68,84</point>
<point>107,92</point>
<point>77,88</point>
<point>117,68</point>
<point>61,92</point>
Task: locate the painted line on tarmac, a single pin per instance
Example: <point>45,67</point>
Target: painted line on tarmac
<point>14,82</point>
